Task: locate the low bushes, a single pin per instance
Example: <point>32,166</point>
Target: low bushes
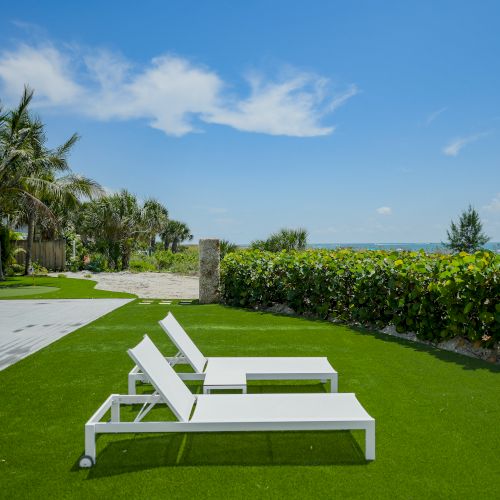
<point>436,296</point>
<point>185,262</point>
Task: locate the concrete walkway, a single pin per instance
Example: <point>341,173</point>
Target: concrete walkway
<point>28,325</point>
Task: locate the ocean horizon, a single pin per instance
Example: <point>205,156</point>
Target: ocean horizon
<point>398,246</point>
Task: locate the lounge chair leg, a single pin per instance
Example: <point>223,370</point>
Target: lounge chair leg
<point>370,441</point>
<point>334,384</point>
<point>90,451</point>
<point>132,384</point>
<point>115,411</point>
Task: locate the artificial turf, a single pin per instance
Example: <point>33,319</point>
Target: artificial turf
<point>437,417</point>
<point>21,287</point>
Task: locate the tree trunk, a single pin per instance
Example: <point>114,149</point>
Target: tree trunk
<point>174,245</point>
<point>152,244</point>
<point>166,244</point>
<point>29,243</point>
<point>2,277</point>
<point>125,259</point>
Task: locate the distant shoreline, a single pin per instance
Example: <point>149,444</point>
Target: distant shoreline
<point>427,247</point>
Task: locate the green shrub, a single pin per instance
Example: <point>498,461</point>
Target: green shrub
<point>143,265</point>
<point>185,262</point>
<point>436,296</point>
<point>98,263</point>
<point>164,259</point>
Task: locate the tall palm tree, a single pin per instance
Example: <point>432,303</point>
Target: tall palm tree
<point>155,217</point>
<point>30,173</point>
<point>114,224</point>
<point>175,232</point>
<point>51,179</point>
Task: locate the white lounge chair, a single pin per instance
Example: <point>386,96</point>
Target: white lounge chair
<point>223,412</point>
<point>234,372</point>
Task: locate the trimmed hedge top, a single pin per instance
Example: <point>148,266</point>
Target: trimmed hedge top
<point>436,296</point>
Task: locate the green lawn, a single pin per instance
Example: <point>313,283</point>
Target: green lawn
<point>27,287</point>
<point>437,417</point>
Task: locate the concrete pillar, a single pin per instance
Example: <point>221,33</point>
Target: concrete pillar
<point>209,271</point>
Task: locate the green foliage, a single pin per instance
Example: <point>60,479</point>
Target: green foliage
<point>467,235</point>
<point>98,263</point>
<point>142,264</point>
<point>436,296</point>
<point>227,247</point>
<point>184,262</point>
<point>174,233</point>
<point>7,252</point>
<point>284,239</point>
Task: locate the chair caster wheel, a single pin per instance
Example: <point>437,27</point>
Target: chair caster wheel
<point>86,462</point>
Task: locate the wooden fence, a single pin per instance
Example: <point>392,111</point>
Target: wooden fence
<point>49,254</point>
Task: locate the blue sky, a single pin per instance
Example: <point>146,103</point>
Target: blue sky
<point>361,121</point>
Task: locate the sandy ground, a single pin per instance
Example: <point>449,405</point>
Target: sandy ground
<point>145,285</point>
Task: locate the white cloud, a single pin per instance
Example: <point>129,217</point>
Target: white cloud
<point>384,210</point>
<point>292,107</point>
<point>432,116</point>
<point>171,92</point>
<point>494,205</point>
<point>43,67</point>
<point>456,145</point>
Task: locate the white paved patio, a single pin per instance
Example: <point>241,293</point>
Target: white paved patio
<point>28,325</point>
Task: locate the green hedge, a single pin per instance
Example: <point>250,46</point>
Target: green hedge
<point>435,296</point>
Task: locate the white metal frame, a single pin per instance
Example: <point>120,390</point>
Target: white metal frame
<point>136,375</point>
<point>222,413</point>
<point>95,425</point>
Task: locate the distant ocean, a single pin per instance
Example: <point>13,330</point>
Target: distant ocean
<point>427,247</point>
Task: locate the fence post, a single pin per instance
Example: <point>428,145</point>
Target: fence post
<point>209,271</point>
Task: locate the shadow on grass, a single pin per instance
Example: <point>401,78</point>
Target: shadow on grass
<point>466,362</point>
<point>227,449</point>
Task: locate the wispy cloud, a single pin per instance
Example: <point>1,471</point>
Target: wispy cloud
<point>456,145</point>
<point>384,210</point>
<point>174,94</point>
<point>432,116</point>
<point>494,205</point>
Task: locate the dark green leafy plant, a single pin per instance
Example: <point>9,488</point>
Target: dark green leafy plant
<point>435,296</point>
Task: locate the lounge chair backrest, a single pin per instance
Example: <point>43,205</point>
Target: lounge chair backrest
<point>163,378</point>
<point>183,342</point>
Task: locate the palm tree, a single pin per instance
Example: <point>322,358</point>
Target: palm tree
<point>114,224</point>
<point>175,232</point>
<point>284,239</point>
<point>227,247</point>
<point>30,172</point>
<point>155,217</point>
<point>13,146</point>
<point>47,184</point>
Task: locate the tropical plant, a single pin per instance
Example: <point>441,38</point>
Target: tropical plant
<point>113,225</point>
<point>30,172</point>
<point>175,232</point>
<point>284,239</point>
<point>155,217</point>
<point>436,296</point>
<point>467,235</point>
<point>226,247</point>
